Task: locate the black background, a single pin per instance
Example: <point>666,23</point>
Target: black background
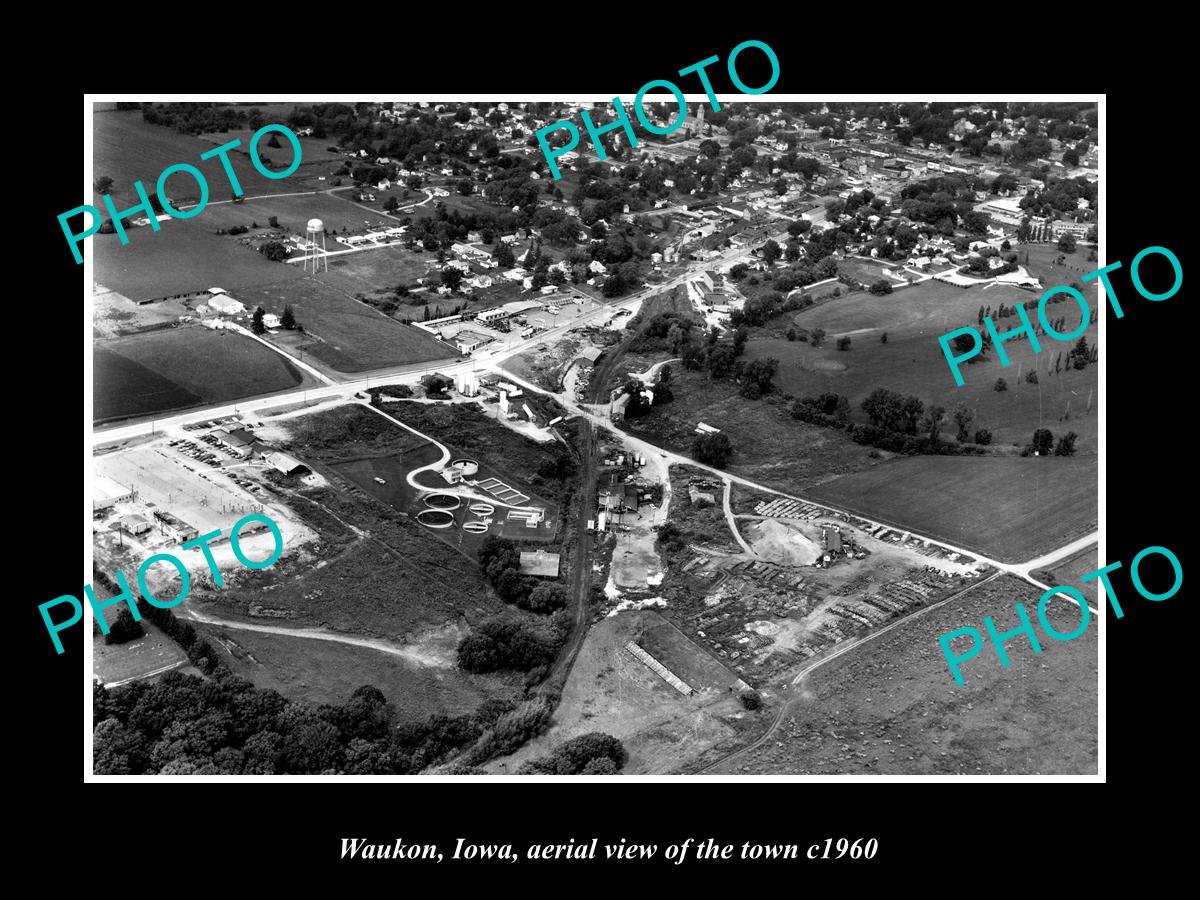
<point>281,833</point>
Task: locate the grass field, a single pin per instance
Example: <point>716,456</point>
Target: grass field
<point>151,653</point>
<point>182,367</point>
<point>466,429</point>
<point>1011,509</point>
<point>377,270</point>
<point>328,672</point>
<point>342,333</point>
<point>1071,571</point>
<point>912,361</point>
<point>865,271</point>
<point>293,214</point>
<point>182,256</point>
<point>891,706</point>
<point>128,149</point>
<point>1044,265</point>
<point>769,445</point>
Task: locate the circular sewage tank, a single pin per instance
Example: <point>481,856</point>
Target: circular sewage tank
<point>474,527</point>
<point>466,466</point>
<point>435,518</point>
<point>482,509</point>
<point>443,501</point>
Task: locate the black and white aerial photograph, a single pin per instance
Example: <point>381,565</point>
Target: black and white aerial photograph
<point>520,438</point>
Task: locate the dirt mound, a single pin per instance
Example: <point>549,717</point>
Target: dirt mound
<point>782,542</point>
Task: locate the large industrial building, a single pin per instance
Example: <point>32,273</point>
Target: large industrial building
<point>107,493</point>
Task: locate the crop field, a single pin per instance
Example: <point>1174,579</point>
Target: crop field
<point>1010,509</point>
<point>166,370</point>
<point>329,672</point>
<point>1071,571</point>
<point>182,256</point>
<point>342,333</point>
<point>892,707</point>
<point>293,214</point>
<point>126,148</point>
<point>912,361</point>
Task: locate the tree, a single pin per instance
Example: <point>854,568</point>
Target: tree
<point>1000,385</point>
<point>275,251</point>
<point>391,204</point>
<point>1065,446</point>
<point>883,338</point>
<point>962,419</point>
<point>983,436</point>
<point>504,256</point>
<point>124,629</point>
<point>288,319</point>
<point>710,148</point>
<point>546,597</point>
<point>751,699</point>
<point>757,377</point>
<point>1066,242</point>
<point>273,222</point>
<point>885,408</point>
<point>256,322</point>
<point>1080,354</point>
<point>1042,443</point>
<point>816,336</point>
<point>932,422</point>
<point>881,286</point>
<point>452,277</point>
<point>770,252</point>
<point>712,449</point>
<point>103,184</point>
<point>843,343</point>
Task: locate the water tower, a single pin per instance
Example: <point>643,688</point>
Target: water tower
<point>314,245</point>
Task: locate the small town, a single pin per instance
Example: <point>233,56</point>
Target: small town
<point>653,468</point>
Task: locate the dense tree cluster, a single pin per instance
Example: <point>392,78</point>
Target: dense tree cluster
<point>899,423</point>
<point>712,449</point>
<point>199,118</point>
<point>185,725</point>
<point>594,753</point>
<point>505,644</point>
